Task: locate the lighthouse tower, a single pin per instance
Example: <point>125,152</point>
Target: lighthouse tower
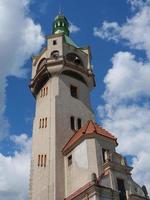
<point>73,158</point>
<point>61,82</point>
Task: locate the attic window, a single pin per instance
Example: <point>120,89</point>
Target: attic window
<point>54,42</point>
<point>69,160</point>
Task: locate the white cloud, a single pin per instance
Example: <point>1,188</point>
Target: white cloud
<point>126,111</point>
<point>14,170</point>
<point>128,79</point>
<point>73,28</point>
<point>138,4</point>
<point>135,32</point>
<point>20,37</point>
<point>109,31</point>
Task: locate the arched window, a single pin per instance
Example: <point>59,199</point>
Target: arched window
<point>38,160</point>
<point>74,58</point>
<point>72,125</point>
<point>41,92</point>
<point>40,123</point>
<point>105,154</point>
<point>55,54</point>
<point>79,123</point>
<point>41,160</point>
<point>69,160</point>
<point>45,122</point>
<point>45,158</point>
<point>41,64</point>
<point>46,91</point>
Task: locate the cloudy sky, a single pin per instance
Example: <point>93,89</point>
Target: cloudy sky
<point>118,33</point>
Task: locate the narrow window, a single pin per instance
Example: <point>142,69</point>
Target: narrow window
<point>72,123</point>
<point>38,160</point>
<point>105,154</point>
<point>46,91</point>
<point>45,122</point>
<point>54,42</point>
<point>45,158</point>
<point>121,189</point>
<point>69,160</point>
<point>73,91</point>
<point>42,123</point>
<point>41,92</point>
<point>41,160</point>
<point>79,123</point>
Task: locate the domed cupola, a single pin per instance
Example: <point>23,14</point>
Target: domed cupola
<point>61,25</point>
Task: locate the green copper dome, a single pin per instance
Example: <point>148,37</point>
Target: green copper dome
<point>61,25</point>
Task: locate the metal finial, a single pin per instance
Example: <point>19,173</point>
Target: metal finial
<point>60,9</point>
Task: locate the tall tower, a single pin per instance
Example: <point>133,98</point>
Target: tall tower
<point>61,83</point>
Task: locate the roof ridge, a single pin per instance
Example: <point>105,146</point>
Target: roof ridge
<point>94,126</point>
<point>87,126</point>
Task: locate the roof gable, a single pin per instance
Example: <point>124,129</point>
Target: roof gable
<point>89,130</point>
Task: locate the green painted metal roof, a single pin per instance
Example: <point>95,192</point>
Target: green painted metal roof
<point>61,25</point>
<point>68,40</point>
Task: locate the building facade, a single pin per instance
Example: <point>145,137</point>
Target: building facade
<point>72,157</point>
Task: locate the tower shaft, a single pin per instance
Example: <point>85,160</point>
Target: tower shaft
<point>61,83</point>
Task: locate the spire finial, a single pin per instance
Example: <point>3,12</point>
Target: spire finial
<point>60,9</point>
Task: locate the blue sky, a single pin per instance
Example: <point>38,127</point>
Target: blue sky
<point>118,33</point>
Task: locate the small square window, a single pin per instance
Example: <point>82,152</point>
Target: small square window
<point>73,91</point>
<point>69,160</point>
<point>54,42</point>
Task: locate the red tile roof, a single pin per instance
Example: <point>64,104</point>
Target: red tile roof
<point>88,130</point>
